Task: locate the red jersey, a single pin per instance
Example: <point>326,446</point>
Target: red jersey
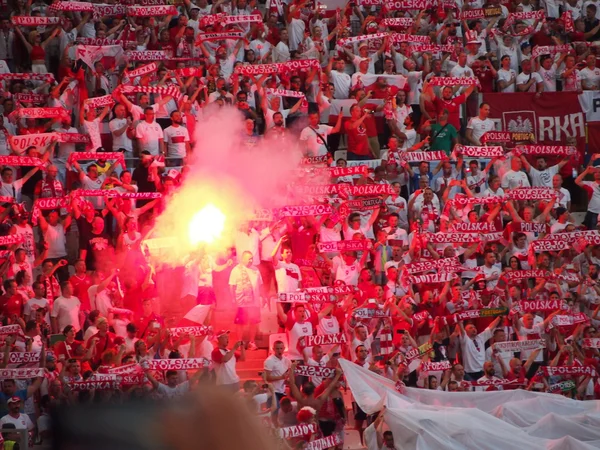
<point>80,290</point>
<point>10,306</point>
<point>453,107</point>
<point>358,141</point>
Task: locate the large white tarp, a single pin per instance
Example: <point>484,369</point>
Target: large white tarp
<point>423,419</point>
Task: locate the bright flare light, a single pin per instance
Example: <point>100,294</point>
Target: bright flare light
<point>207,225</point>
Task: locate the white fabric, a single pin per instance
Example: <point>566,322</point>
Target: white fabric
<point>431,420</point>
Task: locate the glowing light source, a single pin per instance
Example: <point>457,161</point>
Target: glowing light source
<point>206,225</point>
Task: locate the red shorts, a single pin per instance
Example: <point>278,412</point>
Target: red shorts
<point>247,315</point>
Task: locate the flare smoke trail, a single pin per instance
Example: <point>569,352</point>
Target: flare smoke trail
<point>227,174</point>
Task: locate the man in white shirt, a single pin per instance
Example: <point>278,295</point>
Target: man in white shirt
<point>119,127</point>
<point>14,416</point>
<point>507,77</point>
<point>340,79</point>
<point>515,178</point>
<point>149,134</point>
<point>38,301</point>
<point>491,272</point>
<point>542,176</point>
<point>489,375</point>
<point>93,181</point>
<point>277,369</point>
<point>479,125</point>
<point>10,188</point>
<point>224,361</point>
<point>287,274</point>
<point>65,310</point>
<point>177,140</point>
<point>314,136</point>
<point>529,81</point>
<point>472,346</point>
<point>590,76</point>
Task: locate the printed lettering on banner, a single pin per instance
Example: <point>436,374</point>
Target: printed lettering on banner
<point>542,305</point>
<point>591,343</point>
<point>436,366</point>
<point>293,297</point>
<point>518,346</point>
<point>93,385</point>
<point>324,443</point>
<point>533,227</point>
<point>474,227</point>
<point>369,313</point>
<point>326,339</point>
<point>21,374</point>
<point>294,431</point>
<point>178,364</point>
<point>315,371</point>
<point>199,330</point>
<point>507,136</point>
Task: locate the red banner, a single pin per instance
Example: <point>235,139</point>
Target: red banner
<point>177,364</point>
<point>541,305</point>
<point>303,429</point>
<point>325,339</point>
<point>20,374</point>
<point>551,117</point>
<point>199,330</point>
<point>315,371</point>
<point>569,370</point>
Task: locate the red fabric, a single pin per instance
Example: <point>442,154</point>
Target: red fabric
<point>358,142</point>
<point>453,107</point>
<point>80,290</point>
<point>10,306</point>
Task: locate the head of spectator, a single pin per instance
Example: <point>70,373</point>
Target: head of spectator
<point>149,114</point>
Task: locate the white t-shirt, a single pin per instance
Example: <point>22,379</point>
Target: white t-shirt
<point>93,130</point>
<point>66,312</point>
<point>148,135</point>
<point>225,372</point>
<point>100,300</point>
<point>87,183</point>
<point>32,305</point>
<point>172,392</point>
<point>506,75</point>
<point>549,78</point>
<point>480,127</point>
<point>543,178</point>
<point>473,351</point>
<point>23,422</point>
<point>323,363</point>
<point>314,143</point>
<point>594,204</point>
<point>590,77</point>
<point>175,139</point>
<point>121,141</point>
<point>524,78</point>
<point>297,331</point>
<point>278,367</point>
<point>512,180</point>
<point>12,189</point>
<point>288,276</point>
<point>341,84</point>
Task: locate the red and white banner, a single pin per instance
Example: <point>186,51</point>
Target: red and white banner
<point>477,313</point>
<point>285,93</point>
<point>31,98</point>
<point>324,443</point>
<point>141,71</point>
<point>541,305</point>
<point>315,263</point>
<point>103,377</point>
<point>590,343</point>
<point>325,339</point>
<point>445,264</point>
<point>303,211</point>
<point>361,38</point>
<point>335,172</point>
<point>20,374</point>
<point>30,21</point>
<point>39,113</point>
<point>435,366</point>
<point>453,81</point>
<point>306,297</point>
<point>110,55</point>
<point>395,5</point>
<point>225,19</point>
<point>442,277</point>
<point>99,102</point>
<point>493,382</point>
<point>93,156</point>
<point>432,48</point>
<point>342,289</point>
<point>524,15</point>
<point>366,204</point>
<point>11,329</point>
<point>199,330</point>
<point>149,11</point>
<point>568,370</point>
<point>531,193</point>
<point>294,431</point>
<point>565,320</point>
<point>110,10</point>
<point>479,152</point>
<point>129,369</point>
<point>561,241</point>
<point>550,118</point>
<point>432,155</point>
<point>532,227</point>
<point>370,313</point>
<point>77,386</point>
<point>453,238</point>
<point>48,203</point>
<point>71,6</point>
<point>229,35</point>
<point>314,160</point>
<point>524,274</point>
<point>102,42</point>
<point>173,91</point>
<point>506,136</point>
<point>330,189</point>
<point>45,77</point>
<point>402,22</point>
<point>480,13</point>
<point>147,55</point>
<point>557,150</point>
<point>396,38</point>
<point>259,69</point>
<point>21,161</point>
<point>473,227</point>
<point>315,371</point>
<point>345,246</point>
<point>72,138</point>
<point>114,193</point>
<point>22,142</point>
<point>20,358</point>
<point>539,50</point>
<point>519,346</point>
<point>178,364</point>
<point>10,240</point>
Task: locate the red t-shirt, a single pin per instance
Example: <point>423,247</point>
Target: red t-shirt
<point>80,290</point>
<point>358,142</point>
<point>11,305</point>
<point>453,107</point>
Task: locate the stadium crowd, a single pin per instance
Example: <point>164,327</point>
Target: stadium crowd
<point>430,246</point>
